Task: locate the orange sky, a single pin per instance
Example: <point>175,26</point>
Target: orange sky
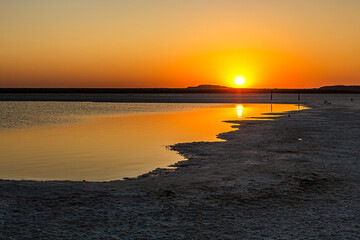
<point>178,43</point>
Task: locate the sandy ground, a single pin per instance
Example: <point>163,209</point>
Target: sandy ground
<point>296,177</point>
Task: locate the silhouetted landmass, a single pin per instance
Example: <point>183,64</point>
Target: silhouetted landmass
<point>196,89</point>
<point>210,87</point>
<point>341,88</point>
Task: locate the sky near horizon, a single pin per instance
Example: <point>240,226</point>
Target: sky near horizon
<point>179,43</point>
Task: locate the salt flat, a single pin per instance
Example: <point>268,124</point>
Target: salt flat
<point>296,177</point>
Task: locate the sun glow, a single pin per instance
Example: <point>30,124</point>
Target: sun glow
<point>239,80</point>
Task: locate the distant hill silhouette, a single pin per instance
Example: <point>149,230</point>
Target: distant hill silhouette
<point>209,87</point>
<point>342,88</point>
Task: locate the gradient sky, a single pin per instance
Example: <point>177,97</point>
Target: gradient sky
<point>178,43</point>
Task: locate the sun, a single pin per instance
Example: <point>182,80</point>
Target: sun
<point>239,80</point>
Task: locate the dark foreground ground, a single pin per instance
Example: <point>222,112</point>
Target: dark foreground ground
<point>296,177</point>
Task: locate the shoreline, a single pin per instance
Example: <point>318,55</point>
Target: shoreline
<point>259,183</point>
<point>176,166</point>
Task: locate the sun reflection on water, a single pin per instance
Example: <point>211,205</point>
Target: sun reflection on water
<point>239,110</point>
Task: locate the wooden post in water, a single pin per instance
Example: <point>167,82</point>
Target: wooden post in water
<point>271,95</point>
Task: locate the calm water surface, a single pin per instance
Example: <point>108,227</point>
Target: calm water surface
<point>107,141</point>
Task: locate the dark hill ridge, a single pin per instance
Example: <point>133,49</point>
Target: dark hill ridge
<point>341,88</point>
<point>206,86</point>
<point>196,89</point>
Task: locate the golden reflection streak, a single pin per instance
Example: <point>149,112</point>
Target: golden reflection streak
<point>239,110</point>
